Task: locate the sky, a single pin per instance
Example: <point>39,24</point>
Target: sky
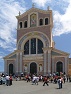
<point>8,23</point>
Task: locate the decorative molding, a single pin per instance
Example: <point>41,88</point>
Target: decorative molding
<point>33,58</point>
<point>31,34</point>
<point>34,10</point>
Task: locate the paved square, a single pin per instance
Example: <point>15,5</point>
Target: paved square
<point>22,87</point>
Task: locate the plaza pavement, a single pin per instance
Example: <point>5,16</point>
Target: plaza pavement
<point>22,87</point>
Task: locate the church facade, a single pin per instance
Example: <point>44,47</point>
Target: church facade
<point>36,52</point>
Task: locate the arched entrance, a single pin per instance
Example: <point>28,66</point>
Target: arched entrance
<point>10,68</point>
<point>33,68</point>
<point>59,67</point>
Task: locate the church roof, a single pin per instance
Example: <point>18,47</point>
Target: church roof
<point>11,56</point>
<point>33,10</point>
<point>56,52</point>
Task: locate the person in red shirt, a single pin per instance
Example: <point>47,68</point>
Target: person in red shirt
<point>10,80</point>
<point>45,81</point>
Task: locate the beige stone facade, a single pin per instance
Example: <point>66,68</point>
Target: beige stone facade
<point>36,52</point>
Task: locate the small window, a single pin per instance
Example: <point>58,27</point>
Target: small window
<point>46,21</point>
<point>25,24</point>
<point>41,22</point>
<point>20,24</point>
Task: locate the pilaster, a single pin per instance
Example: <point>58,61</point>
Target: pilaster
<point>53,65</point>
<point>45,62</point>
<point>49,61</point>
<point>20,62</point>
<point>5,66</point>
<point>66,64</point>
<point>16,63</point>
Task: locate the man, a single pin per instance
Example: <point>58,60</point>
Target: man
<point>7,80</point>
<point>45,81</point>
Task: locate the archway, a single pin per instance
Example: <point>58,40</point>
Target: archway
<point>59,67</point>
<point>33,68</point>
<point>33,46</point>
<point>10,68</point>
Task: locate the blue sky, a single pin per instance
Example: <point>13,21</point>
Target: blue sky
<point>8,23</point>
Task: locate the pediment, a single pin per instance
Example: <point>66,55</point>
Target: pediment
<point>56,52</point>
<point>33,10</point>
<point>10,56</point>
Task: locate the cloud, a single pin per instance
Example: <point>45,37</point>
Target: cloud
<point>61,14</point>
<point>41,3</point>
<point>8,23</point>
<point>62,22</point>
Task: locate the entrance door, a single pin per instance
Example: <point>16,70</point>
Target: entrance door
<point>33,68</point>
<point>59,67</point>
<point>10,68</point>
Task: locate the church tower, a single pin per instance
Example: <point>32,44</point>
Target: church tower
<point>34,37</point>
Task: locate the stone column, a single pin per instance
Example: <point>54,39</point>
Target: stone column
<point>49,61</point>
<point>63,67</point>
<point>45,61</point>
<point>53,65</point>
<point>20,62</point>
<point>16,63</point>
<point>5,66</point>
<point>66,64</point>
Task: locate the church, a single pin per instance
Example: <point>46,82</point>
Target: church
<point>36,52</point>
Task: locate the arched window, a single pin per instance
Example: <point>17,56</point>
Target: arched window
<point>25,24</point>
<point>39,47</point>
<point>46,21</point>
<point>20,24</point>
<point>41,22</point>
<point>33,46</point>
<point>26,48</point>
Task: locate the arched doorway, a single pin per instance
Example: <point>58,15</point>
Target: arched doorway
<point>33,68</point>
<point>10,68</point>
<point>59,67</point>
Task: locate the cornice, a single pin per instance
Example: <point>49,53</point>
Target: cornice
<point>35,27</point>
<point>18,51</point>
<point>34,10</point>
<point>33,58</point>
<point>61,52</point>
<point>45,49</point>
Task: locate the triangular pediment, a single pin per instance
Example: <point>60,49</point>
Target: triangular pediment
<point>33,10</point>
<point>56,52</point>
<point>10,56</point>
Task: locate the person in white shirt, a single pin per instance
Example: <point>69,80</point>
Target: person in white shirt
<point>7,80</point>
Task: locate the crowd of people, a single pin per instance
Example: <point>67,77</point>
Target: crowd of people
<point>51,78</point>
<point>6,79</point>
<point>35,79</point>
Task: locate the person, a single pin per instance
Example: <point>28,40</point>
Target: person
<point>36,80</point>
<point>60,82</point>
<point>10,80</point>
<point>45,81</point>
<point>7,80</point>
<point>1,80</point>
<point>64,78</point>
